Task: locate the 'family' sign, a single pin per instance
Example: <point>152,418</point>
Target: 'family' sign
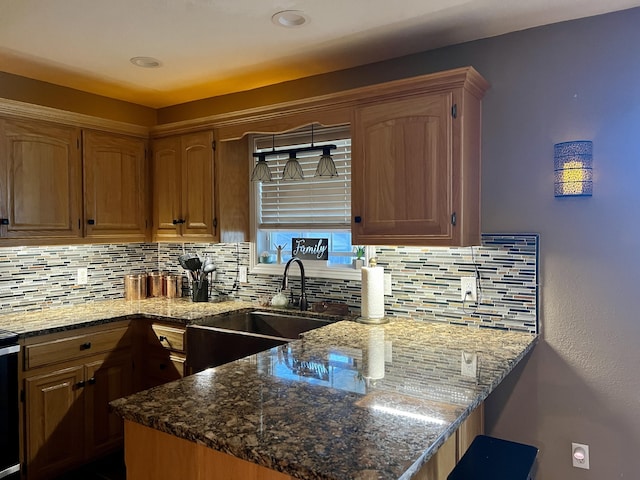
<point>310,248</point>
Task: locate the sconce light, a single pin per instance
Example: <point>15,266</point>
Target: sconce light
<point>572,167</point>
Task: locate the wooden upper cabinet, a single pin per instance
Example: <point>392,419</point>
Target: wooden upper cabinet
<point>115,193</point>
<point>40,180</point>
<point>183,188</point>
<point>416,166</point>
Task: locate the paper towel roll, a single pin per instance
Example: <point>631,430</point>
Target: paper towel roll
<point>375,353</point>
<point>372,292</point>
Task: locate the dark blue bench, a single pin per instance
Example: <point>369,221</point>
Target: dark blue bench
<point>490,458</point>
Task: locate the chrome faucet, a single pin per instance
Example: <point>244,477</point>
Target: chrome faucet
<point>303,296</point>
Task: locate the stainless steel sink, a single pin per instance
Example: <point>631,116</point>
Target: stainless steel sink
<point>271,324</point>
<point>224,338</point>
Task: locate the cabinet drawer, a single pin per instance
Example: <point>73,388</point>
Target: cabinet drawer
<point>76,346</point>
<point>163,367</point>
<point>172,338</point>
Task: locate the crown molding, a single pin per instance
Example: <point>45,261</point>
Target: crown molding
<point>23,110</point>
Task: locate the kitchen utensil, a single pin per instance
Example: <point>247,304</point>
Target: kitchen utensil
<point>208,268</point>
<point>193,263</point>
<point>182,259</point>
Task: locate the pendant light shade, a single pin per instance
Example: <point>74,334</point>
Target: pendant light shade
<point>292,169</point>
<point>261,172</point>
<point>326,165</point>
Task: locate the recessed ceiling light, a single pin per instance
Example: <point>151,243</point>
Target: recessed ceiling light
<point>145,62</point>
<point>290,18</point>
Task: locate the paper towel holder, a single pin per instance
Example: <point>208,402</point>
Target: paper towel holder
<point>373,321</point>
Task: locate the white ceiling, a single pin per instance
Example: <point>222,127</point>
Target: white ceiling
<point>213,47</point>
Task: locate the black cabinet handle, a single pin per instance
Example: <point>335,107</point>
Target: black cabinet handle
<point>178,221</point>
<point>92,381</point>
<point>162,338</point>
<point>85,346</point>
<point>357,219</point>
<point>4,221</point>
<point>80,384</point>
<point>91,221</point>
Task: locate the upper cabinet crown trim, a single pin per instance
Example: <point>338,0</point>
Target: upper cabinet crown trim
<point>329,109</point>
<point>30,111</point>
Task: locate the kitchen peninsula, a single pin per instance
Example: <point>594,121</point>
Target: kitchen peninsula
<point>346,401</point>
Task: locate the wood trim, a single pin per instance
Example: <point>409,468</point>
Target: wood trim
<point>154,455</point>
<point>17,109</point>
<point>330,109</point>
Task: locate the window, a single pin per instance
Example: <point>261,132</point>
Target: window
<point>316,207</point>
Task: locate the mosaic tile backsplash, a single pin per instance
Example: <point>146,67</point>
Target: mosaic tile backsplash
<point>425,281</point>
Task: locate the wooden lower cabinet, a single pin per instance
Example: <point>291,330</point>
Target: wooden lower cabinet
<point>147,456</point>
<point>163,353</point>
<point>154,455</point>
<point>54,416</point>
<point>440,465</point>
<point>107,380</point>
<point>67,420</point>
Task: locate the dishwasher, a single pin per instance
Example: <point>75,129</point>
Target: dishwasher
<point>9,404</point>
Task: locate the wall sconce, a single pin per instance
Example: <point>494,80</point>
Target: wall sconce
<point>572,168</point>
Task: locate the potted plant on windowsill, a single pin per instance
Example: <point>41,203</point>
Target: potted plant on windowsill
<point>358,262</point>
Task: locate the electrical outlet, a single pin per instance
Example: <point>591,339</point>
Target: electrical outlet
<point>387,284</point>
<point>81,278</point>
<point>580,455</point>
<point>469,364</point>
<point>242,275</point>
<point>468,289</point>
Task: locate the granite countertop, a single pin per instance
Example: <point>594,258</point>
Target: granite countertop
<point>51,320</point>
<point>347,401</point>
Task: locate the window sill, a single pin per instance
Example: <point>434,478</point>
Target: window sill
<point>310,271</point>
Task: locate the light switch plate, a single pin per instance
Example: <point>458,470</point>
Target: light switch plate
<point>242,275</point>
<point>82,276</point>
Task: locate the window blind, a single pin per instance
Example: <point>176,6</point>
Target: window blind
<point>315,202</point>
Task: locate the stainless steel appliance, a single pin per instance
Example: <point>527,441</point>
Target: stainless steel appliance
<point>9,404</point>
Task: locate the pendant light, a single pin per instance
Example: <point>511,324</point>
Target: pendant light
<point>326,165</point>
<point>261,172</point>
<point>292,169</point>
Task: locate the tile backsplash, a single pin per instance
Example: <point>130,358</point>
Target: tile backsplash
<point>424,280</point>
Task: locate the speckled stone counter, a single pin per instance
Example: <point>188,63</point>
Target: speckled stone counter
<point>347,401</point>
<point>180,310</point>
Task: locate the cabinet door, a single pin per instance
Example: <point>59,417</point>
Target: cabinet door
<point>163,366</point>
<point>114,186</point>
<point>402,171</point>
<point>106,379</point>
<point>167,187</point>
<point>54,421</point>
<point>40,180</point>
<point>197,185</point>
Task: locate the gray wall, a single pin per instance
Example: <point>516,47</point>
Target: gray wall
<point>575,80</point>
